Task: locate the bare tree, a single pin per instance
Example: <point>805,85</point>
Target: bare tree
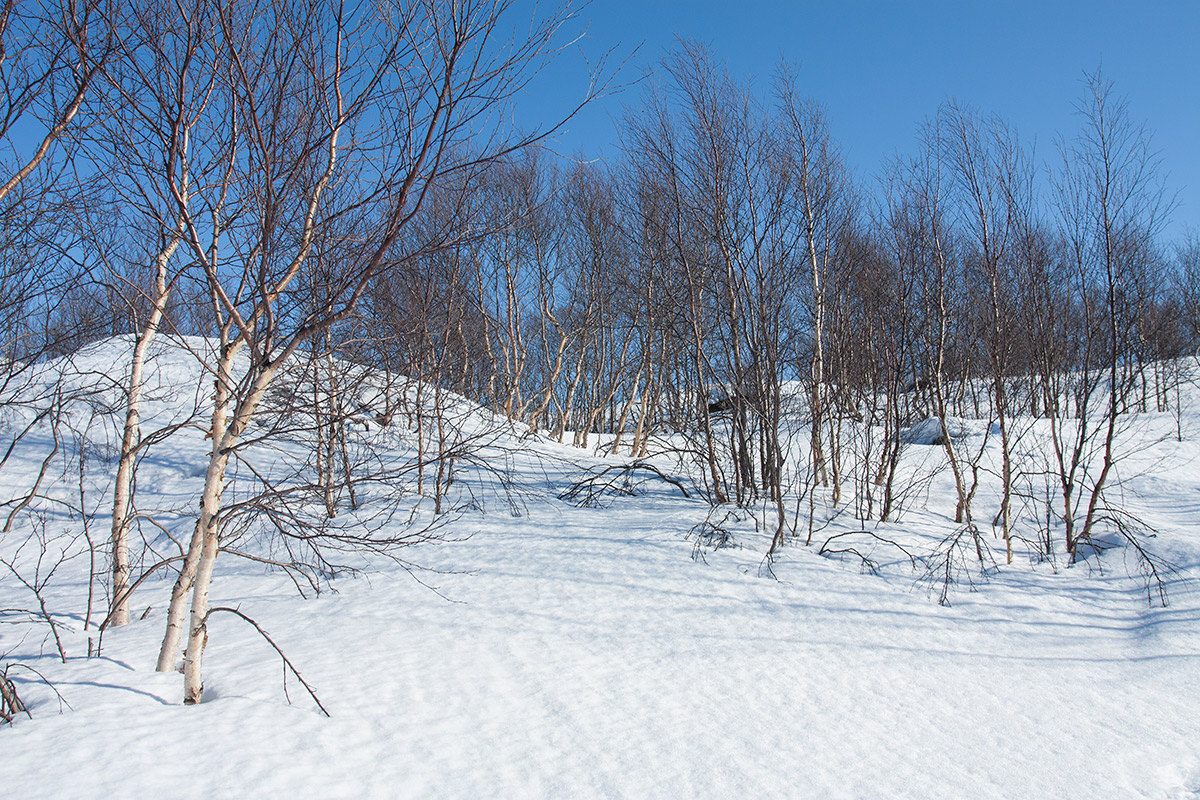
<point>1111,207</point>
<point>153,102</point>
<point>330,125</point>
<point>992,180</point>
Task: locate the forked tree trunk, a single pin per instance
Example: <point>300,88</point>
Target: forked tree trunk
<point>214,486</point>
<point>214,480</point>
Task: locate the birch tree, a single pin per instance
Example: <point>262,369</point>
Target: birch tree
<point>335,123</point>
<point>1111,207</point>
<point>991,178</point>
<point>152,100</point>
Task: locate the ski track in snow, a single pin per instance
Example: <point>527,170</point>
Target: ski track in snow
<point>583,653</point>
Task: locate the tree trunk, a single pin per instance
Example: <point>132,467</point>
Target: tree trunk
<point>214,488</point>
<point>131,438</point>
<point>214,480</point>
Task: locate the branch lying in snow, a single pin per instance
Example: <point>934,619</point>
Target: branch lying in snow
<point>713,535</point>
<point>868,563</point>
<point>587,491</point>
<point>287,663</point>
<point>1157,572</point>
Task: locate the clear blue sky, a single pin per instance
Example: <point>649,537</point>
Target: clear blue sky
<point>881,68</point>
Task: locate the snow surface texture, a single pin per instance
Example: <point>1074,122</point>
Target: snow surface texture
<point>584,653</point>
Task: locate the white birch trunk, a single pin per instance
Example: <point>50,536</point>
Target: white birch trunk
<point>214,485</point>
<point>214,479</point>
<point>130,439</point>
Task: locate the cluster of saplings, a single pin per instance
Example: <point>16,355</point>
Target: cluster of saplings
<point>332,198</point>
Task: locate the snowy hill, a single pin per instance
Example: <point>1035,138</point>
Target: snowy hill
<point>535,648</point>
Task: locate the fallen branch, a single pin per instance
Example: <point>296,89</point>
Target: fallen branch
<point>869,564</point>
<point>713,536</point>
<point>287,663</point>
<point>614,479</point>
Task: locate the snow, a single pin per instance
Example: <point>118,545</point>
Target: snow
<point>583,652</point>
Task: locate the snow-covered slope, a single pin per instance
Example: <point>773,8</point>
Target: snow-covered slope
<point>583,652</point>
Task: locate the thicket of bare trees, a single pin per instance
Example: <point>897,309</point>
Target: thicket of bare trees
<point>249,173</point>
<point>726,296</point>
<point>323,205</point>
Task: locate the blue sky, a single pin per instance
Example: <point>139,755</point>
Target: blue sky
<point>881,68</point>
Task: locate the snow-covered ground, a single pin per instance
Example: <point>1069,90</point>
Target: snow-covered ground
<point>583,652</point>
